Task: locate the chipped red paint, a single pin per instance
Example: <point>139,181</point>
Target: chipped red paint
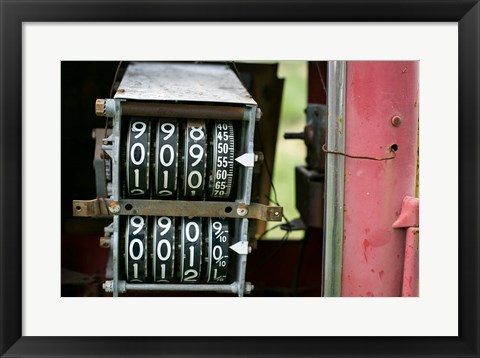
<point>373,251</point>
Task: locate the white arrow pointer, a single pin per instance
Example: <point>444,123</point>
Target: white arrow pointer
<point>240,247</point>
<point>247,159</point>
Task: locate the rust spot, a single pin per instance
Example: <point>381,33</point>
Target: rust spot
<point>370,294</point>
<point>367,230</point>
<point>372,270</point>
<point>366,244</point>
<point>380,274</point>
<point>120,90</point>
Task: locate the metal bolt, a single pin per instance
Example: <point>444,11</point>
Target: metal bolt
<point>100,107</point>
<point>242,210</point>
<point>396,121</point>
<point>114,207</point>
<point>258,113</point>
<point>108,286</point>
<point>105,242</point>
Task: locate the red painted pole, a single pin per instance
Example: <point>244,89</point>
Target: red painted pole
<point>410,272</point>
<point>381,114</point>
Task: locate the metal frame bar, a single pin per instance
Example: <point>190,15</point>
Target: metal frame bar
<point>334,180</point>
<point>245,191</point>
<point>101,207</point>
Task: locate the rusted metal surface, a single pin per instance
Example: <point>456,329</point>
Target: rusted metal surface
<point>90,208</point>
<point>410,287</point>
<point>100,207</point>
<point>170,110</point>
<point>189,82</point>
<point>409,214</point>
<point>100,107</point>
<point>373,251</point>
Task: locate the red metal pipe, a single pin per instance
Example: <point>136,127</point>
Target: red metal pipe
<point>373,251</point>
<point>410,272</point>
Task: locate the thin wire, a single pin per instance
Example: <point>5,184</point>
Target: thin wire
<point>269,172</point>
<point>234,66</point>
<point>268,230</point>
<point>279,246</point>
<point>321,76</point>
<point>359,156</point>
<point>115,78</point>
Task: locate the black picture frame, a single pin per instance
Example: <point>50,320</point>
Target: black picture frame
<point>13,13</point>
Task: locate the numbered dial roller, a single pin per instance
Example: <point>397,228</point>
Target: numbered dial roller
<point>223,156</point>
<point>163,247</point>
<point>217,254</point>
<point>195,159</point>
<point>138,157</point>
<point>190,249</point>
<point>136,248</point>
<point>166,159</point>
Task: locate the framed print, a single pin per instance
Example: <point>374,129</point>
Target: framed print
<point>184,104</point>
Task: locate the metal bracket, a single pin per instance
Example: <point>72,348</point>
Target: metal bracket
<point>101,207</point>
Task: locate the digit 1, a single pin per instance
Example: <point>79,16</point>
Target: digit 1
<point>135,270</point>
<point>165,179</point>
<point>191,248</point>
<point>162,267</point>
<point>137,173</point>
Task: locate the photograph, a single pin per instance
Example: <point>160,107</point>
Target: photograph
<point>240,178</point>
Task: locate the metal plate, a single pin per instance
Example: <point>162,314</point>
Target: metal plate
<point>100,206</point>
<point>189,82</point>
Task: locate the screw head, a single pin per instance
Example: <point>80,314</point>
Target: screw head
<point>396,121</point>
<point>242,211</point>
<point>114,207</point>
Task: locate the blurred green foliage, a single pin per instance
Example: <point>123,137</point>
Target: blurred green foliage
<point>289,153</point>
